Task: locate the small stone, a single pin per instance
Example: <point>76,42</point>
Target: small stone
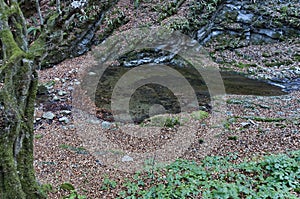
<point>127,158</point>
<point>92,73</point>
<point>56,79</point>
<point>64,119</point>
<point>55,98</point>
<point>99,162</point>
<point>93,121</point>
<point>264,106</point>
<point>245,124</point>
<point>48,115</point>
<point>72,127</point>
<point>66,112</point>
<point>61,93</point>
<point>64,127</point>
<point>106,125</point>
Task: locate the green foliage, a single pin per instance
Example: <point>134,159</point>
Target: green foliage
<point>199,115</point>
<point>201,11</point>
<point>73,192</point>
<point>279,63</point>
<point>33,30</point>
<point>38,136</point>
<point>267,119</point>
<point>74,195</point>
<point>79,150</point>
<point>67,186</point>
<point>177,24</point>
<point>46,188</point>
<point>114,18</point>
<point>168,9</point>
<point>275,176</point>
<point>233,137</point>
<point>172,122</point>
<point>162,121</point>
<point>108,184</point>
<point>245,65</point>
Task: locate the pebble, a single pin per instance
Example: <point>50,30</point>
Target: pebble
<point>55,98</point>
<point>93,121</point>
<point>64,119</point>
<point>127,158</point>
<point>61,93</point>
<point>71,126</point>
<point>48,115</point>
<point>66,112</point>
<point>245,124</point>
<point>92,73</point>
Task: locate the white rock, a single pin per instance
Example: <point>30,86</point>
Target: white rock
<point>106,125</point>
<point>65,112</point>
<point>48,115</point>
<point>55,98</point>
<point>93,121</point>
<point>61,93</point>
<point>92,73</point>
<point>64,119</point>
<point>127,158</point>
<point>245,124</point>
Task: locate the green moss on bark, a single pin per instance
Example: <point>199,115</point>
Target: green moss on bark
<point>13,49</point>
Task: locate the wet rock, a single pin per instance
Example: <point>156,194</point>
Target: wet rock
<point>245,18</point>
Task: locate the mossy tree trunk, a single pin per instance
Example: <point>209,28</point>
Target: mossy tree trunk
<point>18,84</point>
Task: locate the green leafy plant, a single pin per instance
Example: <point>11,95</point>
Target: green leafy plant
<point>172,122</point>
<point>73,194</point>
<point>274,176</point>
<point>32,30</point>
<point>108,184</point>
<point>199,115</point>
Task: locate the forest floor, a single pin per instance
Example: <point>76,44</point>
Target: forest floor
<point>252,126</point>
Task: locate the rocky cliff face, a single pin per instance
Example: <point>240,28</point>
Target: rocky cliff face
<point>240,23</point>
<point>226,24</point>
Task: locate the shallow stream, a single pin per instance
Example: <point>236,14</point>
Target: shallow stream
<point>154,95</point>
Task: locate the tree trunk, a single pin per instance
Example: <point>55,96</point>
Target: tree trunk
<point>18,84</point>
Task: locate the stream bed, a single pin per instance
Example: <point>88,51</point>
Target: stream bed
<point>152,95</point>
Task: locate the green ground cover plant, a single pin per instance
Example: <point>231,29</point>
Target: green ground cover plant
<point>273,176</point>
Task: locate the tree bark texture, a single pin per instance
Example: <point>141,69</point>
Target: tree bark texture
<point>18,84</point>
